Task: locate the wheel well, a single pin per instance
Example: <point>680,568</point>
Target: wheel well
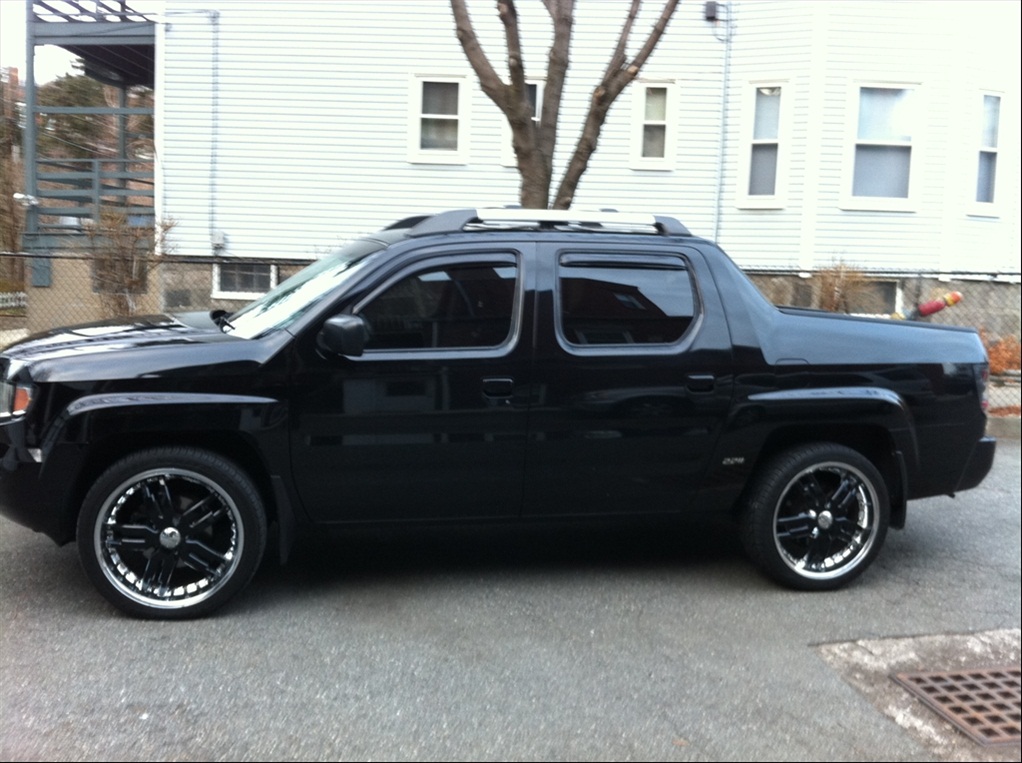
<point>227,444</point>
<point>873,442</point>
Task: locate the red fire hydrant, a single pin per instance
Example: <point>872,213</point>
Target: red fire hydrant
<point>923,309</point>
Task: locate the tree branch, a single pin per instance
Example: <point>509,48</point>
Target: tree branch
<point>562,13</point>
<point>515,62</point>
<point>618,75</point>
<point>489,80</point>
<point>513,101</point>
<point>617,58</point>
<point>654,36</point>
<point>534,146</point>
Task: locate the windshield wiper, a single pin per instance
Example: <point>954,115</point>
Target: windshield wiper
<point>222,319</point>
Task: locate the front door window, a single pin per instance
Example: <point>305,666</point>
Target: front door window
<point>449,306</point>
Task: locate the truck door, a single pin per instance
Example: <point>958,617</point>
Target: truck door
<point>632,381</point>
<point>430,422</point>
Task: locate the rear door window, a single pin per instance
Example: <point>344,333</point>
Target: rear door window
<point>624,299</point>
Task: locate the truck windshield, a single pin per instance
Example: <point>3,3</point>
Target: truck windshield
<point>281,306</point>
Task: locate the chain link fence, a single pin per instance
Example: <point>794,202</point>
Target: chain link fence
<point>41,292</point>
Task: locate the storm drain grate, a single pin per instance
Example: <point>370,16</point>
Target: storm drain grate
<point>984,704</point>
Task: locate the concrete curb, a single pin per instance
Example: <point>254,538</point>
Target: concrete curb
<point>1004,427</point>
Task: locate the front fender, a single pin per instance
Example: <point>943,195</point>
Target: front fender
<point>95,430</point>
<point>92,418</point>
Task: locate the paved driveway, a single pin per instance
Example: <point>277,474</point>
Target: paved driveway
<point>655,643</point>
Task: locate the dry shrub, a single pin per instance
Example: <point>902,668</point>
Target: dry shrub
<point>123,255</point>
<point>1005,353</point>
<point>840,288</point>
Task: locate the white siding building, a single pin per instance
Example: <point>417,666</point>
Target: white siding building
<point>879,134</point>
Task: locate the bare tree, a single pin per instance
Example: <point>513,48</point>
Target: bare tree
<point>123,254</point>
<point>534,143</point>
<point>12,216</point>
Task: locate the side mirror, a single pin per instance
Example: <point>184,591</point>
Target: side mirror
<point>343,335</point>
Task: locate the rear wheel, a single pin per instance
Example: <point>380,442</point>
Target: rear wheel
<point>171,533</point>
<point>816,516</point>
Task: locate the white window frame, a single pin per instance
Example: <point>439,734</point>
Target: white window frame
<point>908,203</point>
<point>218,293</point>
<point>779,198</point>
<point>640,89</point>
<point>507,149</point>
<point>986,208</point>
<point>419,155</point>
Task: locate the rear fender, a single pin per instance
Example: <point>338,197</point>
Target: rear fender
<point>872,420</point>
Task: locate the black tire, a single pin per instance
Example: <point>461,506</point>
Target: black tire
<point>816,516</point>
<point>171,533</point>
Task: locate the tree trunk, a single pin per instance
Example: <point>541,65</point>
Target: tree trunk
<point>534,143</point>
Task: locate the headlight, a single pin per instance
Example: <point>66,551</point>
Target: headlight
<point>15,398</point>
<point>22,399</point>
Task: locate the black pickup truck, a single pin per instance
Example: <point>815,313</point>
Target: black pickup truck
<point>484,365</point>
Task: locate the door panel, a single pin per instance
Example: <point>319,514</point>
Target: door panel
<point>632,383</point>
<point>430,422</point>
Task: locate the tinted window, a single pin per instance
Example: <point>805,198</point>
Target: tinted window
<point>624,300</point>
<point>451,306</point>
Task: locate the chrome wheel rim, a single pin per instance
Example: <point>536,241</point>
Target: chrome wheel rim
<point>825,521</point>
<point>169,538</point>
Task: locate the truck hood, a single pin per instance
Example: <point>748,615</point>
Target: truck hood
<point>116,335</point>
<point>151,346</point>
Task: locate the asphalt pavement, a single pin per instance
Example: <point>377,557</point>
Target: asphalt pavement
<point>555,643</point>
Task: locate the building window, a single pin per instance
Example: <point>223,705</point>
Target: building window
<point>653,137</point>
<point>243,280</point>
<point>878,298</point>
<point>765,142</point>
<point>986,175</point>
<point>439,125</point>
<point>654,124</point>
<point>762,178</point>
<point>534,92</point>
<point>883,143</point>
<point>439,121</point>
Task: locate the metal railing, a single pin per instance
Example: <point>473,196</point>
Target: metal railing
<point>73,193</point>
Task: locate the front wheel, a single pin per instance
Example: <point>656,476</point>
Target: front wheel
<point>816,516</point>
<point>171,533</point>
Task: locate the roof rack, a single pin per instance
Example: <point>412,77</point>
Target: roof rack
<point>500,218</point>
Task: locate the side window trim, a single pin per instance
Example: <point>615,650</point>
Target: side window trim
<point>637,261</point>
